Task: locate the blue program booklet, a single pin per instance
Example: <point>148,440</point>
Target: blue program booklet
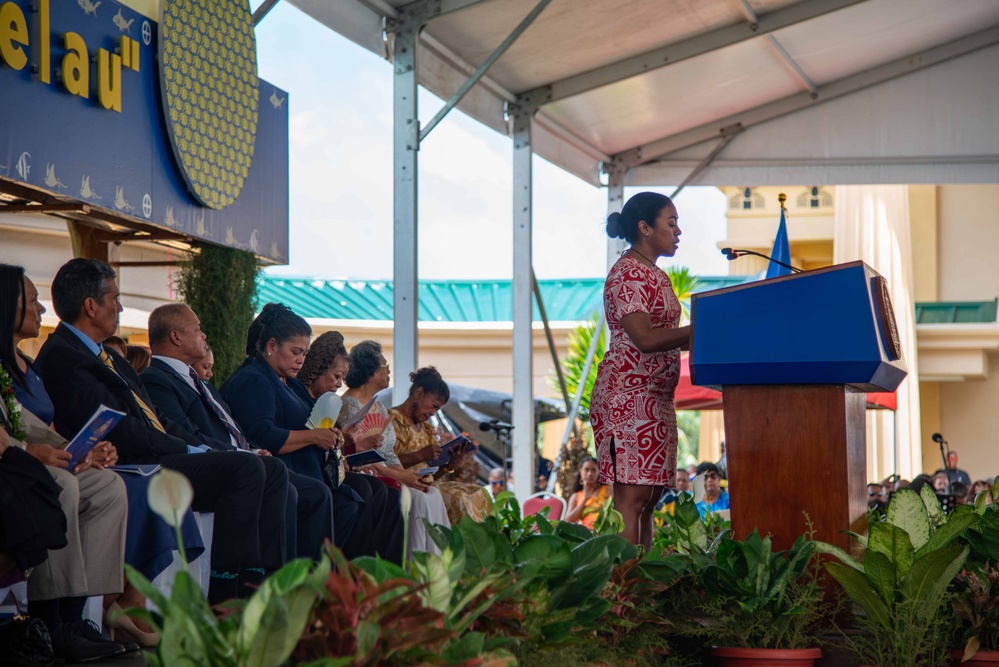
<point>364,458</point>
<point>446,450</point>
<point>96,429</point>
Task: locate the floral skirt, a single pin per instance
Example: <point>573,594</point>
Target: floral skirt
<point>462,500</point>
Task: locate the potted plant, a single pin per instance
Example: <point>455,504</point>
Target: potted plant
<point>901,587</point>
<point>755,605</point>
<point>977,609</point>
<point>976,606</point>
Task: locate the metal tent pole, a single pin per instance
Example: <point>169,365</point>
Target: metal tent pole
<point>615,201</point>
<point>551,345</point>
<point>524,446</point>
<point>405,154</point>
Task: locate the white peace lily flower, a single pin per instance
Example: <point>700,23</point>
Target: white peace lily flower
<point>698,484</point>
<point>405,500</point>
<point>170,496</point>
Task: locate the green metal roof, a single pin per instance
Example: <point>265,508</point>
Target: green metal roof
<point>568,300</point>
<point>956,312</point>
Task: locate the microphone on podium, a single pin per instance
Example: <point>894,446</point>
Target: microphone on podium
<point>735,253</point>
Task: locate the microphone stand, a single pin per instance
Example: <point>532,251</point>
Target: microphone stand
<point>503,437</point>
<point>947,471</point>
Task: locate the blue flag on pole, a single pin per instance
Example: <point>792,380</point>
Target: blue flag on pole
<point>781,251</point>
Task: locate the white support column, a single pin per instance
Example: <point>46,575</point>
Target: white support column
<point>406,144</point>
<point>615,201</point>
<point>524,447</point>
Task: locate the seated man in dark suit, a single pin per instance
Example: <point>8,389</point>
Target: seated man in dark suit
<point>177,342</point>
<point>80,375</point>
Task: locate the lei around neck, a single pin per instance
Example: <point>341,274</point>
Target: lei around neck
<point>10,402</point>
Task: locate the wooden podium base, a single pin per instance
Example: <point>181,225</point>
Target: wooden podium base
<point>796,449</point>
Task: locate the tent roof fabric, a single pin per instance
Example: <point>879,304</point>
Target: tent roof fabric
<point>814,91</point>
<point>568,300</point>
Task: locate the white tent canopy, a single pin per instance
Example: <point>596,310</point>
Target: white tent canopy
<point>708,92</point>
<point>653,82</point>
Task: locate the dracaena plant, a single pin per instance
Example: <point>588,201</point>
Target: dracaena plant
<point>901,586</point>
<point>361,622</point>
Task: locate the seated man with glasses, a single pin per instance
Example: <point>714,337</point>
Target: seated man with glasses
<point>715,498</point>
<point>497,482</point>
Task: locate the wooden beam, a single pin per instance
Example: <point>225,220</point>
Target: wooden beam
<point>45,208</point>
<point>92,243</point>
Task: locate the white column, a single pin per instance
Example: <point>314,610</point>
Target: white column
<point>406,135</point>
<point>872,224</point>
<point>524,448</point>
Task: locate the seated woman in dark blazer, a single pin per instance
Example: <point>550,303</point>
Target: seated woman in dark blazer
<point>273,415</point>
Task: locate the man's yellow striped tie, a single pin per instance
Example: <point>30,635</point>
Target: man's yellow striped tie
<point>146,410</point>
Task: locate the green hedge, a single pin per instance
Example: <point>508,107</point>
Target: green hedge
<point>220,285</point>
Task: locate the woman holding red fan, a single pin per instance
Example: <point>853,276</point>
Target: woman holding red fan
<point>368,375</point>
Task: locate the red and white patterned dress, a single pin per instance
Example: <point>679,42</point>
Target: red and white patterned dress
<point>632,400</point>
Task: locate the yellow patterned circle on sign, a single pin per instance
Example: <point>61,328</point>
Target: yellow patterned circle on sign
<point>208,81</point>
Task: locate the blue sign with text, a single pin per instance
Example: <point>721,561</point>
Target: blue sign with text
<point>82,117</point>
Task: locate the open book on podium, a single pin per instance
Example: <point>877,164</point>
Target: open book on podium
<point>793,356</point>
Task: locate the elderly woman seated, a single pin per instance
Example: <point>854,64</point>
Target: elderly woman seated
<point>417,444</point>
<point>368,375</point>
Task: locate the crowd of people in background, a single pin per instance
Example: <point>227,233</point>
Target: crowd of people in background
<point>951,484</point>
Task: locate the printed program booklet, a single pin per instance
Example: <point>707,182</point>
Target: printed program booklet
<point>97,427</point>
<point>446,450</point>
<point>364,458</point>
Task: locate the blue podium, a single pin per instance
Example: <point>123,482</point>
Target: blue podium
<point>793,357</point>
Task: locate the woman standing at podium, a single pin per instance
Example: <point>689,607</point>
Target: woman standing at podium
<point>631,407</point>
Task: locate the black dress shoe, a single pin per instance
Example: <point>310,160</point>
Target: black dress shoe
<point>130,647</point>
<point>82,642</point>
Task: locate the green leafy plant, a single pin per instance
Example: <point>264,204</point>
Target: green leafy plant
<point>757,597</point>
<point>220,285</point>
<point>901,586</point>
<point>976,606</point>
<point>686,532</point>
<point>609,521</point>
<point>685,283</point>
<point>260,633</point>
<point>976,601</point>
<point>574,362</point>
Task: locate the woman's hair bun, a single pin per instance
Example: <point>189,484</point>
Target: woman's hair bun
<point>614,226</point>
<point>270,312</point>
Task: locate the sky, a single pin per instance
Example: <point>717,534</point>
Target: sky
<point>340,131</point>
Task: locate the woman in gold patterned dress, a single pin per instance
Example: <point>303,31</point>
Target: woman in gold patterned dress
<point>417,443</point>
